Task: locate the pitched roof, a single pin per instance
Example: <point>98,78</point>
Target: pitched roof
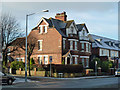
<point>58,24</point>
<point>102,43</point>
<point>68,23</point>
<point>18,40</point>
<point>80,27</point>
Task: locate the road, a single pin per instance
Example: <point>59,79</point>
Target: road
<point>111,82</point>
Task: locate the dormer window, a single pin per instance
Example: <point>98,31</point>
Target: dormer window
<point>119,45</point>
<point>110,43</point>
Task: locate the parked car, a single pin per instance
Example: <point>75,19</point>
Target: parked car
<point>117,72</point>
<point>4,78</point>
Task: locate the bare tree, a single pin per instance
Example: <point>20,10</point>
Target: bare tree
<point>10,30</point>
<point>31,44</point>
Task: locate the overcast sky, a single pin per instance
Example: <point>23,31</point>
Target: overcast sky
<point>100,18</point>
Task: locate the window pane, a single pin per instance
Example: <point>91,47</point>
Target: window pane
<point>75,45</point>
<point>45,29</point>
<point>83,62</point>
<point>40,60</point>
<point>63,44</point>
<point>76,60</point>
<point>39,45</point>
<point>71,45</point>
<point>40,29</point>
<point>87,63</point>
<point>82,46</point>
<point>45,59</point>
<point>87,47</point>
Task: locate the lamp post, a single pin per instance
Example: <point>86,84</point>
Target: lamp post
<point>26,42</point>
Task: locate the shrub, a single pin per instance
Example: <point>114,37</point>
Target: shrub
<point>16,65</point>
<point>106,65</point>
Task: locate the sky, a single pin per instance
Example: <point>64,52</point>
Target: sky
<point>101,18</point>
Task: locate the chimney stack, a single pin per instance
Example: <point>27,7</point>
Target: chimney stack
<point>61,16</point>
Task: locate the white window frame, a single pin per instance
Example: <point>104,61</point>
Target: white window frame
<point>87,47</point>
<point>82,46</point>
<point>45,29</point>
<point>71,45</point>
<point>45,60</point>
<point>76,60</point>
<point>75,45</point>
<point>40,29</point>
<point>41,47</point>
<point>40,60</point>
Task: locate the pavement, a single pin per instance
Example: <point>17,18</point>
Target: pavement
<point>54,78</point>
<point>47,82</point>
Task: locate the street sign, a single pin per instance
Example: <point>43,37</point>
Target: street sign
<point>50,58</point>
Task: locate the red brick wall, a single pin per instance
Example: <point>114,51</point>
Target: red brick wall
<point>95,51</point>
<point>51,45</point>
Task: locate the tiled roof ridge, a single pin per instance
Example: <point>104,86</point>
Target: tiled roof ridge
<point>103,37</point>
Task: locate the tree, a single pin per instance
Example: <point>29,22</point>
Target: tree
<point>31,43</point>
<point>106,65</point>
<point>10,30</point>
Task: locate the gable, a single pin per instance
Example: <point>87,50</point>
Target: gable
<point>42,22</point>
<point>72,29</point>
<point>83,32</point>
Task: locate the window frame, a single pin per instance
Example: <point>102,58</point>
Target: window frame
<point>45,59</point>
<point>76,46</point>
<point>71,45</point>
<point>82,46</point>
<point>40,47</point>
<point>40,60</point>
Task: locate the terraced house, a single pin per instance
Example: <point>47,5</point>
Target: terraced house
<point>106,49</point>
<point>66,41</point>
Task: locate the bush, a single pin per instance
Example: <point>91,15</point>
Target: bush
<point>16,65</point>
<point>40,69</point>
<point>106,65</point>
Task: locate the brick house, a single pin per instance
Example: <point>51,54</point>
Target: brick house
<point>105,49</point>
<point>66,41</point>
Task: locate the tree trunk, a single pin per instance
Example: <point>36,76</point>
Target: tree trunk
<point>5,58</point>
<point>29,65</point>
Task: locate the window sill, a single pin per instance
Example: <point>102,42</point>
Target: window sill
<point>43,33</point>
<point>40,50</point>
